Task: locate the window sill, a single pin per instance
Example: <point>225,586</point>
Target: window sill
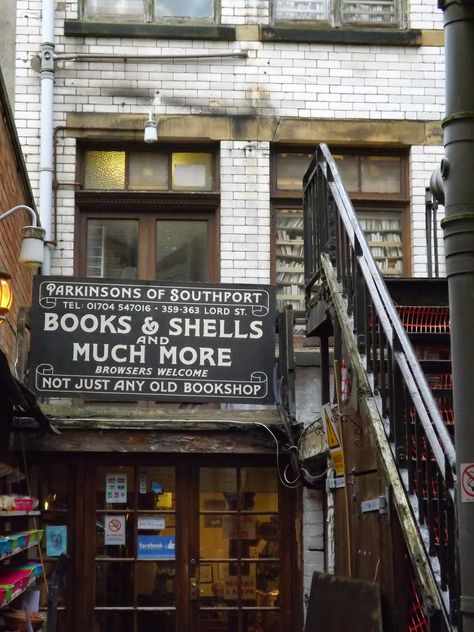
<point>382,37</point>
<point>161,31</point>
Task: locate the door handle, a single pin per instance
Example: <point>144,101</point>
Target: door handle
<point>193,589</point>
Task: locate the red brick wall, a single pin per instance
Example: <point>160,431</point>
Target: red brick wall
<point>12,193</point>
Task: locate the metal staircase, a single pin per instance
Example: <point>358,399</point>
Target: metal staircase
<point>394,339</point>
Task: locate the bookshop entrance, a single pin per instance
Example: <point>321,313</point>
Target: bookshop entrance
<point>168,545</point>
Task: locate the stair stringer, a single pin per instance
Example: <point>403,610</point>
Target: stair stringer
<point>433,600</point>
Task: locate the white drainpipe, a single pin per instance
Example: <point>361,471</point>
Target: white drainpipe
<point>46,146</point>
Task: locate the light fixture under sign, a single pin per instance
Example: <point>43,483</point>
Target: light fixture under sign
<point>151,133</point>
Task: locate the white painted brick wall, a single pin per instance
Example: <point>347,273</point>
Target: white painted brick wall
<point>245,212</point>
<point>423,161</point>
<point>313,536</point>
<point>424,15</point>
<point>278,79</point>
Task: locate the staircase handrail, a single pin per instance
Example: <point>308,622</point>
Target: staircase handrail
<point>440,441</point>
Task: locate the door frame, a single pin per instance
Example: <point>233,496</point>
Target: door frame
<point>81,531</point>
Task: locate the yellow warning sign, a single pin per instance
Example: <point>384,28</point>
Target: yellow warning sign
<point>337,459</point>
<point>330,427</point>
<point>332,438</point>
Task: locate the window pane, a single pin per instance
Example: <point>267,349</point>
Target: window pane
<point>117,10</point>
<point>156,583</point>
<point>381,174</point>
<point>262,620</point>
<point>214,533</point>
<point>116,621</point>
<point>289,258</point>
<point>192,171</point>
<point>384,236</point>
<point>384,12</point>
<point>102,522</point>
<point>162,621</point>
<point>50,485</point>
<point>114,584</point>
<point>261,484</point>
<point>184,8</point>
<point>301,9</point>
<point>104,170</point>
<point>115,487</point>
<point>181,251</point>
<point>290,170</point>
<point>156,488</point>
<point>112,248</point>
<point>348,170</point>
<point>147,171</point>
<point>218,483</point>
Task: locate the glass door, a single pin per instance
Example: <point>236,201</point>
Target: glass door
<point>135,549</point>
<point>239,550</point>
<point>179,547</point>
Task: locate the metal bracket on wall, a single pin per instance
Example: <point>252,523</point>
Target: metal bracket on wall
<point>335,483</point>
<point>380,504</point>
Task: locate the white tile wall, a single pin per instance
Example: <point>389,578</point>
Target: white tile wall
<point>423,161</point>
<point>313,536</point>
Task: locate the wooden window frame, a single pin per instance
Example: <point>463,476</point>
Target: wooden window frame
<point>335,19</point>
<point>130,148</point>
<point>368,202</point>
<point>149,17</point>
<point>147,206</point>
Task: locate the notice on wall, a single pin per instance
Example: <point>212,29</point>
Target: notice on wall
<point>156,547</point>
<point>56,540</point>
<point>129,340</point>
<point>116,488</point>
<point>114,530</point>
<point>151,522</point>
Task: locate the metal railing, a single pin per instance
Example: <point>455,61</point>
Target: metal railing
<point>420,442</point>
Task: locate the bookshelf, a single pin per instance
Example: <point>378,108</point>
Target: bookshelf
<point>384,237</point>
<point>289,258</point>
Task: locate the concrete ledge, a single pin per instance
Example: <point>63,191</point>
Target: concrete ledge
<point>366,37</point>
<point>303,131</point>
<point>158,31</point>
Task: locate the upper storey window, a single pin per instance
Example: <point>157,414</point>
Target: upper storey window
<point>378,13</point>
<point>149,10</point>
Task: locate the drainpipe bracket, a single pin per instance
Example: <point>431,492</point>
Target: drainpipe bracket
<point>467,604</point>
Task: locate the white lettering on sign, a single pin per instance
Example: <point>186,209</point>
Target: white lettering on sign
<point>212,328</point>
<point>106,352</point>
<point>135,339</point>
<point>89,323</point>
<point>196,355</point>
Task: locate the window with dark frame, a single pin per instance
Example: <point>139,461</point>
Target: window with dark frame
<point>376,183</point>
<point>148,214</point>
<point>150,10</point>
<point>365,13</point>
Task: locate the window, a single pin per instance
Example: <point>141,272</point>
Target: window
<point>377,185</point>
<point>149,10</point>
<point>148,214</point>
<point>340,12</point>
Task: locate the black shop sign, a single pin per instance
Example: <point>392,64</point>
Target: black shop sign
<point>129,340</point>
